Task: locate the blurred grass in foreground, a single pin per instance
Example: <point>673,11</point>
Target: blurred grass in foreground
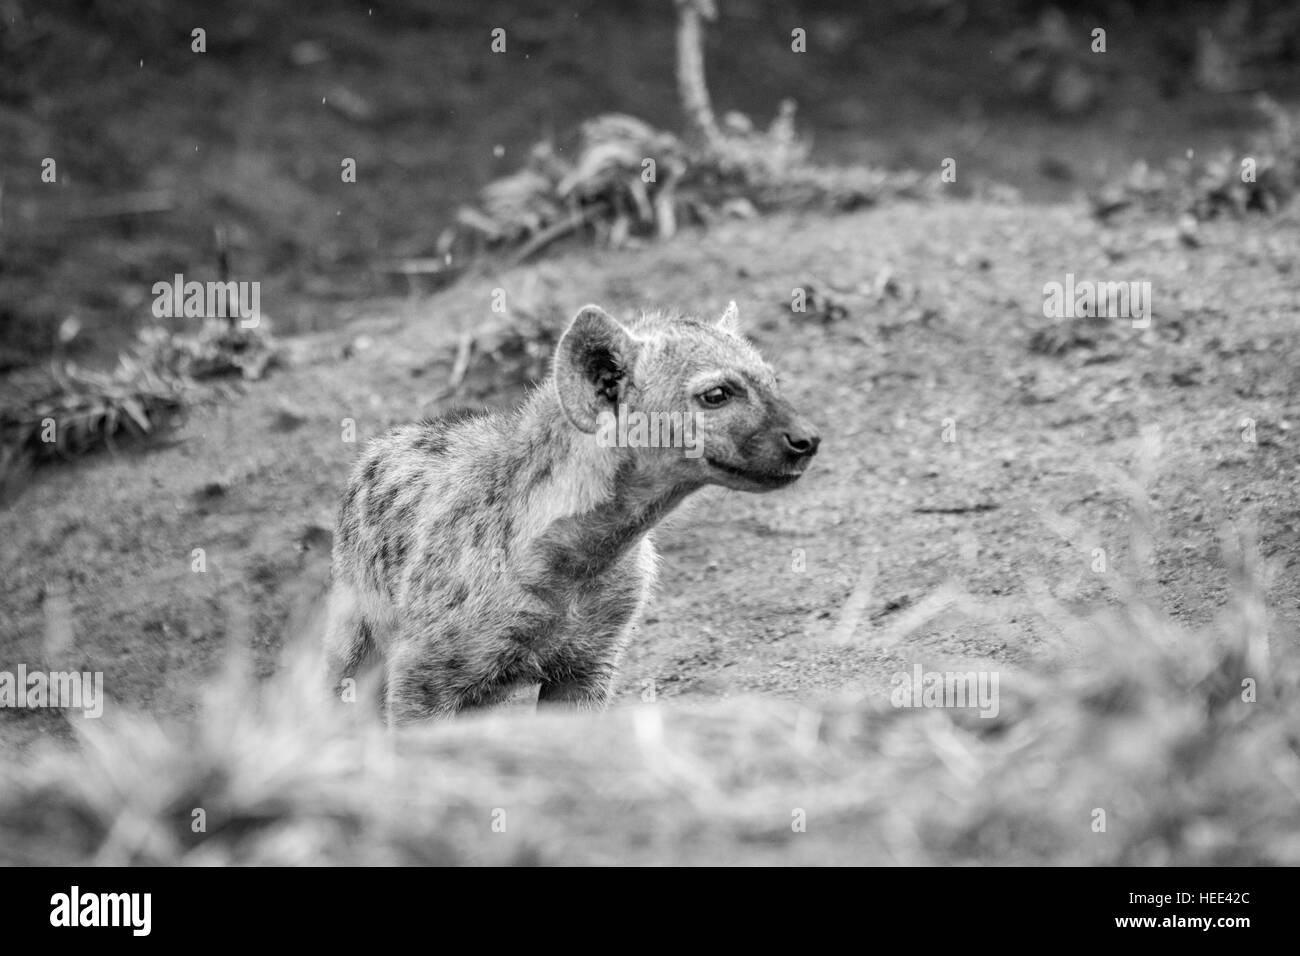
<point>1150,727</point>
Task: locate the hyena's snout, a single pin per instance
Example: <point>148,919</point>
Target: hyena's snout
<point>791,439</point>
<point>799,440</point>
<point>771,456</point>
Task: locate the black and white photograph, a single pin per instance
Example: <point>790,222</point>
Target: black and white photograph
<point>663,433</point>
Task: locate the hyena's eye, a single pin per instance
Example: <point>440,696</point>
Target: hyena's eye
<point>715,397</point>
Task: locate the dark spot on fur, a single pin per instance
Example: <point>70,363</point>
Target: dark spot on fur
<point>458,596</point>
<point>405,516</point>
<point>431,563</point>
<point>379,504</point>
<point>401,545</point>
<point>433,441</point>
<point>536,629</point>
<point>482,529</point>
<point>347,537</point>
<point>374,572</point>
<point>548,593</point>
<point>496,483</point>
<point>429,689</point>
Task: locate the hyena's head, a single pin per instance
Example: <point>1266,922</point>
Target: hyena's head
<point>690,400</point>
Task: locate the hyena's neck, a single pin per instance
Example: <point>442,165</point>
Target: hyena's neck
<point>582,506</point>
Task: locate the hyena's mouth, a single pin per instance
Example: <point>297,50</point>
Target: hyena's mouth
<point>768,479</point>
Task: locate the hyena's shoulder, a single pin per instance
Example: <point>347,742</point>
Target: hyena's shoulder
<point>433,438</point>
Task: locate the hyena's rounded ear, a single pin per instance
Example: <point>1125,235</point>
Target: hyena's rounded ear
<point>730,321</point>
<point>592,361</point>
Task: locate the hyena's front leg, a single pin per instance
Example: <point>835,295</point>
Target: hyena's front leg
<point>441,676</point>
<point>585,692</point>
<point>418,686</point>
<point>584,678</point>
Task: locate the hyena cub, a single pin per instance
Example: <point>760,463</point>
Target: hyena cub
<point>482,551</point>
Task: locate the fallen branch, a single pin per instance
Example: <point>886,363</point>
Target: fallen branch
<point>556,231</point>
<point>956,509</point>
<point>433,268</point>
<point>459,367</point>
<point>415,267</point>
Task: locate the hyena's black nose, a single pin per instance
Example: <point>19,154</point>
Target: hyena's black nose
<point>801,441</point>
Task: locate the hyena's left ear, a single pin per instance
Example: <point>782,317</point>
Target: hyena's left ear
<point>592,362</point>
<point>730,321</point>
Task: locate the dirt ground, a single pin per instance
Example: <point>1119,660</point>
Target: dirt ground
<point>1048,458</point>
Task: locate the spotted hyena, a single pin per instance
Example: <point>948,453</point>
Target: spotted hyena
<point>483,551</point>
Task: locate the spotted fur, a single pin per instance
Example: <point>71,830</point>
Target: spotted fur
<point>483,551</point>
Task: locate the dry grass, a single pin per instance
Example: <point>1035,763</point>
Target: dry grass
<point>1147,723</point>
<point>68,412</point>
<point>77,410</point>
<point>629,179</point>
<point>1203,187</point>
